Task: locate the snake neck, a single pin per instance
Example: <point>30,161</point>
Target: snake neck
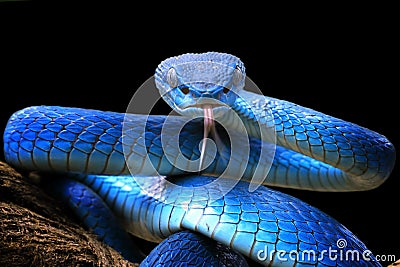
<point>252,116</point>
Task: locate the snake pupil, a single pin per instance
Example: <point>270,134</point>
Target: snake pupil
<point>225,90</point>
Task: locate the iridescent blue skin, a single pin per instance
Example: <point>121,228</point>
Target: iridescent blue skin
<point>314,151</point>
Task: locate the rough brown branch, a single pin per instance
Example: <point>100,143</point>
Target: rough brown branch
<point>35,231</point>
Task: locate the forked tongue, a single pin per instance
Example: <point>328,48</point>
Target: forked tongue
<point>209,125</point>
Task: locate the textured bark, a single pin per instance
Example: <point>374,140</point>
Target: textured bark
<point>36,231</point>
<point>395,264</point>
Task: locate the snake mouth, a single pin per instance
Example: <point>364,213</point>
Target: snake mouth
<point>197,109</point>
<point>205,104</point>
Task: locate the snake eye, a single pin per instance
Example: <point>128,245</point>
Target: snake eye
<point>225,90</point>
<point>185,90</point>
<point>237,76</point>
<point>172,78</point>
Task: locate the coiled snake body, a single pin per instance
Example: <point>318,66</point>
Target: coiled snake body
<point>88,150</point>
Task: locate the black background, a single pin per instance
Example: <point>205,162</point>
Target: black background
<point>342,64</point>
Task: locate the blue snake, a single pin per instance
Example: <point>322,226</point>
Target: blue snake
<point>118,176</point>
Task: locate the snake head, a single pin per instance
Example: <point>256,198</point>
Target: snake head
<point>189,83</point>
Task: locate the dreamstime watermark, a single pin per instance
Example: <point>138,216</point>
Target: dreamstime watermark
<point>341,253</point>
<point>156,146</point>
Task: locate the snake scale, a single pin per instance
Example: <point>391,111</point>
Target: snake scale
<point>120,177</point>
